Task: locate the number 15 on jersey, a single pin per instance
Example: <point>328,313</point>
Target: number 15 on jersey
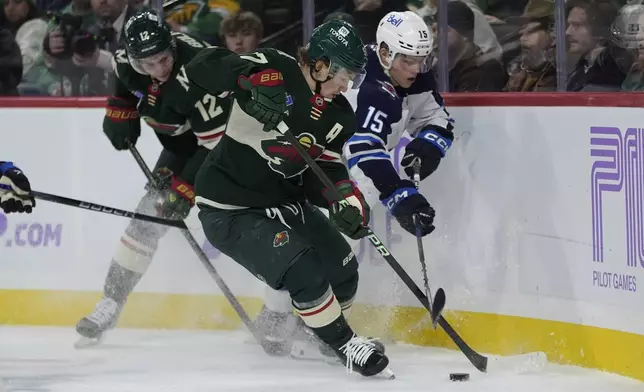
<point>373,121</point>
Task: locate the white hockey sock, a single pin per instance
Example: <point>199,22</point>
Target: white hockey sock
<point>320,312</point>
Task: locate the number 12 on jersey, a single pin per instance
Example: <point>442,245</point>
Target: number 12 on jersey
<point>373,121</point>
<point>213,110</point>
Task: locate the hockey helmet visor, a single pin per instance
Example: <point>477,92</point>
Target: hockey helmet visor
<point>343,76</point>
<point>409,63</point>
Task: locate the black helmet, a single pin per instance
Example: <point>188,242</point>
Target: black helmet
<point>145,36</point>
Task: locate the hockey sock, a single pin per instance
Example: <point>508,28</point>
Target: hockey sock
<point>346,307</point>
<point>324,317</point>
<point>120,282</point>
<point>315,302</point>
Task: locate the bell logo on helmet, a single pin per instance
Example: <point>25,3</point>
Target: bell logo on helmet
<point>394,21</point>
<point>343,31</point>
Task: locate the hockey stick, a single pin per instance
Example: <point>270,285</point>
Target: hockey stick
<point>204,259</point>
<point>101,208</point>
<point>479,361</point>
<point>438,303</point>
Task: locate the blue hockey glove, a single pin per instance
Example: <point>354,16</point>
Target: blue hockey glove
<point>430,146</point>
<point>404,202</point>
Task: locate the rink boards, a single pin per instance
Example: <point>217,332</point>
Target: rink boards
<point>539,242</point>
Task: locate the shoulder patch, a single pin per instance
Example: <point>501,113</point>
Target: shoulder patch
<point>388,88</point>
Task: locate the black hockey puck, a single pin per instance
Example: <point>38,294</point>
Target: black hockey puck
<point>459,376</point>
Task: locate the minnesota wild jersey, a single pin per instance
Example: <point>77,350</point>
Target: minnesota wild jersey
<point>253,168</point>
<point>183,115</point>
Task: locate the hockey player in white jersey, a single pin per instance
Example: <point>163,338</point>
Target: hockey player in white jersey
<point>398,95</point>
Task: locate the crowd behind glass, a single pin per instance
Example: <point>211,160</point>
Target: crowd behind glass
<point>64,47</point>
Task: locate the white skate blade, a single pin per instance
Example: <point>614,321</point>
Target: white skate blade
<point>386,374</point>
<point>302,350</point>
<point>85,342</point>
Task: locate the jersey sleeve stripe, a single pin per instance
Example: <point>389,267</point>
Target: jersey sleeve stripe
<point>331,156</point>
<point>212,134</point>
<point>359,137</point>
<point>368,157</point>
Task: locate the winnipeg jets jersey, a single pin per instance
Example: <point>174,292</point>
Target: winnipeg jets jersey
<point>383,114</point>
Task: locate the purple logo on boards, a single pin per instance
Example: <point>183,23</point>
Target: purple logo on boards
<point>618,167</point>
<point>31,234</point>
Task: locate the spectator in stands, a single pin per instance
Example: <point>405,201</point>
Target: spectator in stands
<point>87,69</point>
<point>10,63</point>
<point>242,32</point>
<point>588,35</point>
<point>484,36</point>
<point>22,18</point>
<point>470,69</point>
<point>535,69</point>
<point>201,18</point>
<point>16,13</point>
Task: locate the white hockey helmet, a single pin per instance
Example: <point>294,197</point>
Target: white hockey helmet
<point>404,33</point>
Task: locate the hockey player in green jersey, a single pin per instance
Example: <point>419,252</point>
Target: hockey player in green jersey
<point>257,196</point>
<point>151,84</point>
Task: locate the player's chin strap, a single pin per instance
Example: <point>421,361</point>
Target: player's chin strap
<point>318,84</point>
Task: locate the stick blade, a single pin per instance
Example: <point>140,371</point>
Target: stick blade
<point>437,306</point>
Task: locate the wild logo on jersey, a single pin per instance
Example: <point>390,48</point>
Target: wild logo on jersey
<point>284,159</point>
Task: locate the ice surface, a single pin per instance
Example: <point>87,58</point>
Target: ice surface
<point>42,359</point>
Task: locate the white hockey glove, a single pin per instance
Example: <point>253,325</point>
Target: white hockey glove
<point>14,190</point>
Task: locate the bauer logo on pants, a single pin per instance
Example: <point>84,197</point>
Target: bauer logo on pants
<point>280,239</point>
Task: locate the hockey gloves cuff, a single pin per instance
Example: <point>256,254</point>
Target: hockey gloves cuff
<point>350,215</point>
<point>121,122</point>
<point>430,146</point>
<point>405,202</point>
<point>14,190</point>
<point>176,197</point>
<point>268,102</point>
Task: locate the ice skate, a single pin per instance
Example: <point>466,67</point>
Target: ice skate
<point>306,345</point>
<point>92,328</point>
<point>361,355</point>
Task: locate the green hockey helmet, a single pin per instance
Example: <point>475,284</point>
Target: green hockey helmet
<point>339,43</point>
<point>145,36</point>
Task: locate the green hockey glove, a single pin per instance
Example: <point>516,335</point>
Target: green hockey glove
<point>176,197</point>
<point>268,103</point>
<point>121,122</point>
<point>351,215</point>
